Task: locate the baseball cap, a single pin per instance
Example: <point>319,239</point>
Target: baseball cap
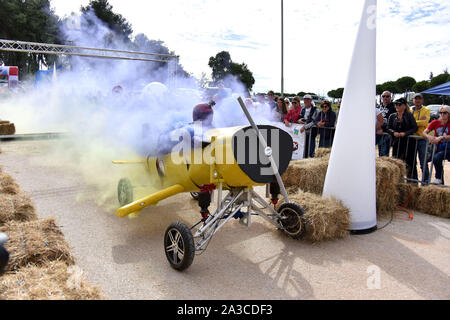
<point>418,95</point>
<point>307,96</point>
<point>400,101</point>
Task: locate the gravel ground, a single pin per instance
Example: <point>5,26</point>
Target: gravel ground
<point>126,257</point>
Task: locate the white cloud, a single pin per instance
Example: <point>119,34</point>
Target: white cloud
<point>413,36</point>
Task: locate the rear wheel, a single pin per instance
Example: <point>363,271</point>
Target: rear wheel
<point>179,246</point>
<point>292,219</point>
<point>125,192</point>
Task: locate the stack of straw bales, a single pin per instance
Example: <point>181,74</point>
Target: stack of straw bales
<point>323,153</point>
<point>53,281</point>
<point>14,204</point>
<point>307,175</point>
<point>35,242</point>
<point>41,265</point>
<point>388,177</point>
<point>7,128</point>
<point>391,191</point>
<point>325,219</point>
<point>433,200</point>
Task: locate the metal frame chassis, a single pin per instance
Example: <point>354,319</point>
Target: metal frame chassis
<point>227,209</point>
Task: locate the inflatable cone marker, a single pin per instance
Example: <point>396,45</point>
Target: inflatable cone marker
<point>351,175</point>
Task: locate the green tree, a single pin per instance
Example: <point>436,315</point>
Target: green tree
<point>339,93</point>
<point>391,86</point>
<point>115,22</point>
<point>31,20</point>
<point>421,86</point>
<point>438,80</point>
<point>405,84</point>
<point>222,66</point>
<point>243,74</point>
<point>332,94</point>
<point>379,89</point>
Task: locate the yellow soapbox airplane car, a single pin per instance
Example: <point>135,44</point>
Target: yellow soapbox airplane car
<point>235,160</point>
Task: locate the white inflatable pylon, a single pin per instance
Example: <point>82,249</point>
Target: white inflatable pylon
<point>351,175</point>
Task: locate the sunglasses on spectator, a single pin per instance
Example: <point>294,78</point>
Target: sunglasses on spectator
<point>294,102</point>
<point>325,106</point>
<point>386,96</point>
<point>445,112</point>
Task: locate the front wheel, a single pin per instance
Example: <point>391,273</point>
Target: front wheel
<point>124,192</point>
<point>179,246</point>
<point>292,219</point>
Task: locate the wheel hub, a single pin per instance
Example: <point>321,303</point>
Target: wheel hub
<point>175,246</point>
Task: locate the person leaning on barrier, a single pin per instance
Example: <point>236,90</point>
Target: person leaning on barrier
<point>307,116</point>
<point>441,139</point>
<point>293,115</point>
<point>280,111</point>
<point>422,116</point>
<point>325,120</point>
<point>271,99</point>
<point>401,125</point>
<point>387,108</point>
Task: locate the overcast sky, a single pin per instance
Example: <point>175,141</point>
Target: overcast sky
<point>413,36</point>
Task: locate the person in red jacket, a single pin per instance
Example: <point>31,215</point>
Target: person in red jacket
<point>441,139</point>
<point>293,115</point>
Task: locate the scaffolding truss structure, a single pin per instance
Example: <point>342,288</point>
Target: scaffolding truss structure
<point>58,49</point>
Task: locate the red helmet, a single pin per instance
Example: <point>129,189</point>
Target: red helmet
<point>202,111</point>
<point>117,89</point>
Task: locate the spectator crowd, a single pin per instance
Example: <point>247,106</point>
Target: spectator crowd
<point>402,131</point>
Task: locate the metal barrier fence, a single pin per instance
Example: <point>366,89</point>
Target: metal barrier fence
<point>431,157</point>
<point>321,137</point>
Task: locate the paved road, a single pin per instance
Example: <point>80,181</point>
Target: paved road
<point>126,258</point>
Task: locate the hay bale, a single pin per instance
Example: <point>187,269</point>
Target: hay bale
<point>397,162</point>
<point>16,207</point>
<point>7,129</point>
<point>408,195</point>
<point>326,219</point>
<point>35,242</point>
<point>308,175</point>
<point>52,281</point>
<point>7,184</point>
<point>323,152</point>
<point>4,122</point>
<point>387,195</point>
<point>434,200</point>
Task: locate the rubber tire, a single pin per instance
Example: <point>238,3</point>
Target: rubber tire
<point>299,211</point>
<point>128,189</point>
<point>187,244</point>
<point>194,195</point>
<point>4,257</point>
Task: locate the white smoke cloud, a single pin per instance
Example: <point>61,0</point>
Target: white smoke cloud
<point>103,125</point>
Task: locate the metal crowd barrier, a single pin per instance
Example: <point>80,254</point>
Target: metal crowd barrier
<point>427,162</point>
<point>325,137</point>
